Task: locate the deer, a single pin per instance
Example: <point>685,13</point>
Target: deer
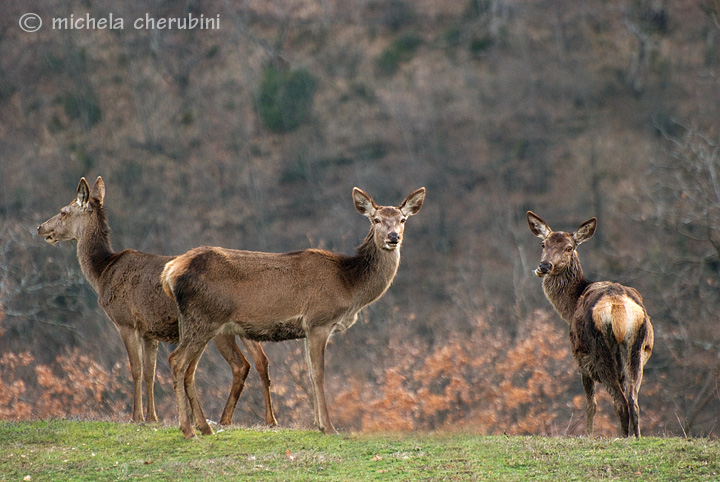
<point>308,294</point>
<point>129,292</point>
<point>610,331</point>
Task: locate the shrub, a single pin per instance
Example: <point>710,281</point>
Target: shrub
<point>285,98</point>
<point>400,51</point>
<point>480,44</point>
<point>85,107</point>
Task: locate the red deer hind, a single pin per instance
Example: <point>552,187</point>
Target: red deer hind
<point>610,331</point>
<point>129,291</point>
<point>274,297</point>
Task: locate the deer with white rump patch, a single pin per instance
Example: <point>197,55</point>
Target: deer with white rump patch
<point>129,291</point>
<point>274,297</point>
<point>610,331</point>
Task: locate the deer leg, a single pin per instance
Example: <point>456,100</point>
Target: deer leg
<point>150,348</point>
<point>590,402</point>
<point>313,387</point>
<point>195,407</point>
<point>240,368</point>
<point>178,365</point>
<point>181,363</point>
<point>130,337</point>
<point>262,367</point>
<point>620,403</point>
<point>633,390</point>
<point>634,409</point>
<point>315,344</point>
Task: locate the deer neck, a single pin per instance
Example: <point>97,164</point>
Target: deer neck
<point>563,290</point>
<point>94,249</point>
<point>371,271</point>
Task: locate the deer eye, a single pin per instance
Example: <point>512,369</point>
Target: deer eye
<point>569,249</point>
<point>542,245</point>
<point>403,220</point>
<point>376,220</point>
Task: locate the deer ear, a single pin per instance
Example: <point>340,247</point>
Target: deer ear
<point>83,192</point>
<point>585,231</point>
<point>364,203</point>
<point>412,204</point>
<point>98,190</point>
<point>538,227</point>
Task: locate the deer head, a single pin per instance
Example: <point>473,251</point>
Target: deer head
<point>72,220</point>
<point>558,248</point>
<point>388,223</point>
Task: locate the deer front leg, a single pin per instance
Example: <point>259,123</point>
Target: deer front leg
<point>315,344</point>
<point>590,402</point>
<point>131,338</point>
<point>262,367</point>
<point>240,368</point>
<point>150,348</point>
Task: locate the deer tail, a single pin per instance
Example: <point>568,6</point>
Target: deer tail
<point>169,277</point>
<point>622,314</point>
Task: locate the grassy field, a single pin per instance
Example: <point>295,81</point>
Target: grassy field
<point>95,451</point>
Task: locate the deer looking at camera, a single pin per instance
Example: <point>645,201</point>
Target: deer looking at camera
<point>129,291</point>
<point>610,331</point>
<point>274,297</point>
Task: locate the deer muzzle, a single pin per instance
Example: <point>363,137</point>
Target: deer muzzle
<point>48,234</point>
<point>543,268</point>
<point>392,241</point>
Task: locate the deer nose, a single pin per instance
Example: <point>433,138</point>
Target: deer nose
<point>394,238</point>
<point>544,267</point>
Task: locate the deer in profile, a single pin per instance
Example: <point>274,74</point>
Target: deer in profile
<point>610,331</point>
<point>306,294</point>
<point>129,291</point>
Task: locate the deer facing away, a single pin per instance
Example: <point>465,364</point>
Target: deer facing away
<point>129,291</point>
<point>610,331</point>
<point>274,297</point>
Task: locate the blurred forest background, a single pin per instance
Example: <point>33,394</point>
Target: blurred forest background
<point>252,136</point>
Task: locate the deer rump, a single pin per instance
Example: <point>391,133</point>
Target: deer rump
<point>608,332</point>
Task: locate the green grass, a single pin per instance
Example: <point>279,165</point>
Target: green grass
<point>95,451</point>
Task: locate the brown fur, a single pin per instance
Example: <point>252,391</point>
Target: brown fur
<point>130,293</point>
<point>610,331</point>
<point>273,297</point>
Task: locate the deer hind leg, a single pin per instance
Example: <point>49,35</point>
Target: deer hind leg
<point>634,380</point>
<point>315,344</point>
<point>197,410</point>
<point>262,367</point>
<point>182,360</point>
<point>150,348</point>
<point>590,402</point>
<point>620,403</point>
<point>240,368</point>
<point>131,338</point>
<point>634,408</point>
<point>178,365</point>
